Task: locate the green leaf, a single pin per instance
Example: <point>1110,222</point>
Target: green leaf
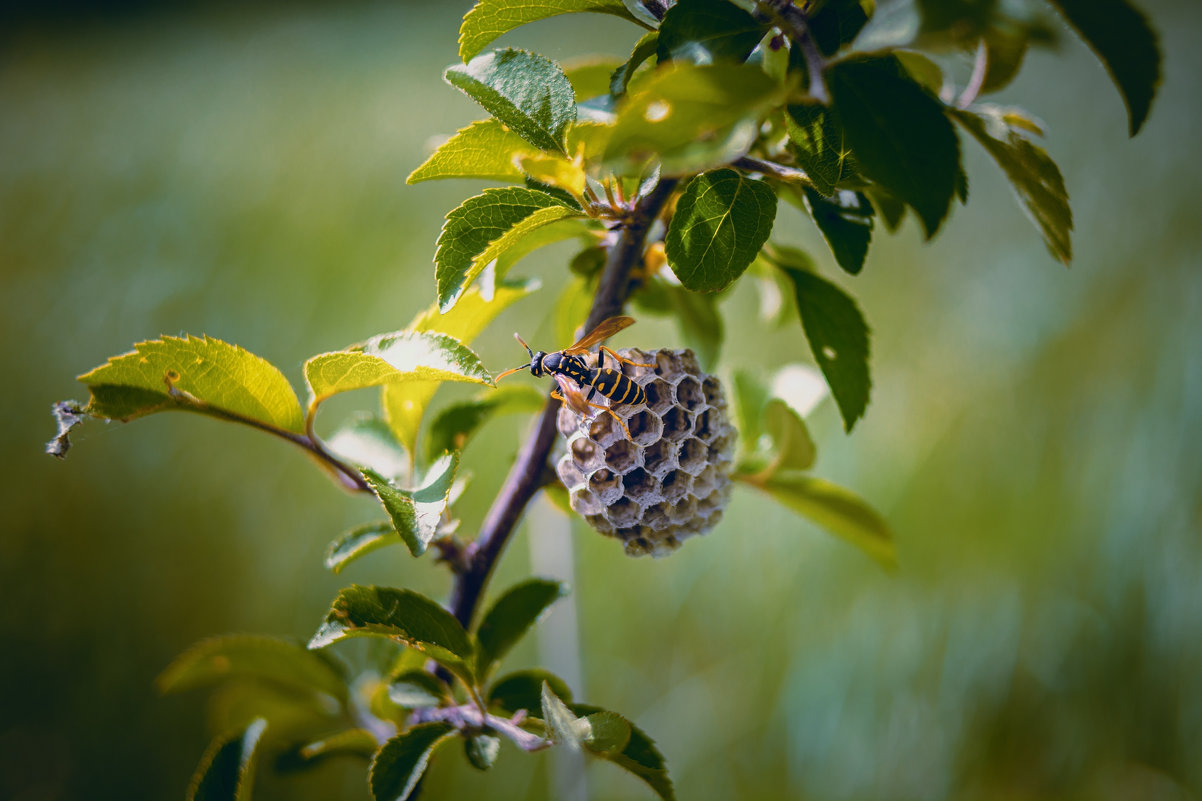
<point>837,23</point>
<point>482,229</point>
<point>563,727</point>
<point>838,510</point>
<point>791,439</point>
<point>691,118</point>
<point>400,763</point>
<point>415,689</point>
<point>925,72</point>
<point>845,220</point>
<point>644,49</point>
<point>838,339</point>
<point>525,91</point>
<point>195,373</point>
<point>1005,50</point>
<point>819,146</point>
<point>393,357</point>
<point>892,25</point>
<point>1122,39</point>
<point>891,209</point>
<point>359,541</point>
<point>405,403</point>
<point>417,514</point>
<point>750,397</point>
<point>351,742</point>
<point>1035,177</point>
<point>489,19</point>
<point>511,616</point>
<point>608,733</point>
<point>899,134</point>
<point>281,662</point>
<point>484,149</point>
<point>367,441</point>
<point>227,770</point>
<point>773,435</point>
<point>233,705</point>
<point>405,616</point>
<point>455,424</point>
<point>705,31</point>
<point>523,690</point>
<point>722,220</point>
<point>639,757</point>
<point>590,76</point>
<point>955,20</point>
<point>481,750</point>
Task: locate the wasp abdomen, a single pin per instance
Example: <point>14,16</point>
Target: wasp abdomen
<point>618,388</point>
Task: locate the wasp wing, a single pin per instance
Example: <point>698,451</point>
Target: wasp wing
<point>602,332</point>
<point>572,396</point>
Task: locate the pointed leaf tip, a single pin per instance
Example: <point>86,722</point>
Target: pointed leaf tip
<point>398,766</point>
<point>1122,39</point>
<point>485,228</point>
<point>899,134</point>
<point>417,514</point>
<point>838,337</point>
<point>513,614</point>
<point>226,772</point>
<point>527,92</point>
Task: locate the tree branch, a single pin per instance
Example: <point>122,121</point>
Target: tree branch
<point>526,476</point>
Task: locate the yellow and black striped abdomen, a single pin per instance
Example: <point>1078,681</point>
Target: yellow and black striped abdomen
<point>618,388</point>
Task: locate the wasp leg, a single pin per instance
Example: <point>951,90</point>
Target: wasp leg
<point>557,396</point>
<point>621,359</point>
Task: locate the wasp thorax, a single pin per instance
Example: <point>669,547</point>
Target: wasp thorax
<point>670,479</point>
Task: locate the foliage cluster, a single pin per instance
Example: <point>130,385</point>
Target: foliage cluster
<point>666,168</point>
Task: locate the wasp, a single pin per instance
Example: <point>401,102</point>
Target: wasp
<point>573,375</point>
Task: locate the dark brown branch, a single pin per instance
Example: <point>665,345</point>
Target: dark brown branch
<point>527,475</point>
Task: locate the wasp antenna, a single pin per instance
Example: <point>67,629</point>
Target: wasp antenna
<point>524,345</point>
<point>508,373</point>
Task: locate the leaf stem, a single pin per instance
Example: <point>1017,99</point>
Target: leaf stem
<point>526,476</point>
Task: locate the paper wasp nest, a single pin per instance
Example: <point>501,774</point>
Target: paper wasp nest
<point>671,479</point>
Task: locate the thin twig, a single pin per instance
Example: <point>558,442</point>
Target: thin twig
<point>466,717</point>
<point>781,171</point>
<point>527,474</point>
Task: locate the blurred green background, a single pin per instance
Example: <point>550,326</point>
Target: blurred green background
<point>1035,435</point>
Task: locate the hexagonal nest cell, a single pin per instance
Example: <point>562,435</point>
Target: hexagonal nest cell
<point>670,478</point>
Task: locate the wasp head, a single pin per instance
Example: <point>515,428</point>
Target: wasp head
<point>538,367</point>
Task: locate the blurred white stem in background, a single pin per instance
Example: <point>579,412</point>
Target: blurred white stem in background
<point>552,556</point>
